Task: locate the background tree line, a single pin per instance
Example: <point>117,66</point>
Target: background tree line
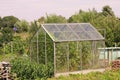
<point>11,26</point>
<point>105,20</point>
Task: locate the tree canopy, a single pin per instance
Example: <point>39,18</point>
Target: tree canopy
<point>105,21</point>
<point>9,21</point>
<point>107,11</point>
<point>52,18</point>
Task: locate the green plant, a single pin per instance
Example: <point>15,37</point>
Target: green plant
<point>31,70</point>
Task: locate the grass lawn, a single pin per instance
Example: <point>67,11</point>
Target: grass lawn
<point>107,75</point>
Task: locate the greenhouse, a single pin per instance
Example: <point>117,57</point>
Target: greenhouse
<point>68,47</point>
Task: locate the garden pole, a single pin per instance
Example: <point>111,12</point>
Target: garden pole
<point>37,49</point>
<point>54,58</point>
<point>81,55</point>
<point>68,56</point>
<point>45,51</point>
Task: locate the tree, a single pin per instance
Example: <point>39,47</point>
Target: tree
<point>102,20</point>
<point>83,16</point>
<point>6,35</point>
<point>55,19</point>
<point>107,11</point>
<point>22,26</point>
<point>41,20</point>
<point>9,21</point>
<point>117,32</point>
<point>33,27</point>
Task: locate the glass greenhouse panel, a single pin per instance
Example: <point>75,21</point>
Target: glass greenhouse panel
<point>62,57</point>
<point>83,36</point>
<point>74,56</point>
<point>76,27</point>
<point>51,28</point>
<point>63,28</point>
<point>87,27</point>
<point>76,31</point>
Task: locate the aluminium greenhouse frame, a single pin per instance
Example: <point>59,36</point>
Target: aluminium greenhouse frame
<point>69,34</point>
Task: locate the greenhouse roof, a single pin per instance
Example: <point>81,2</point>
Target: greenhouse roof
<point>72,32</point>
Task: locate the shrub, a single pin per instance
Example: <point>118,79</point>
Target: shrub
<point>31,70</point>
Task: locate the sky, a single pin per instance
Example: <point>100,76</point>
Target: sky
<point>31,10</point>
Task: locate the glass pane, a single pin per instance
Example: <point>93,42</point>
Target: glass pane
<point>76,27</point>
<point>50,28</point>
<point>58,36</point>
<point>87,27</point>
<point>61,57</point>
<point>83,36</point>
<point>74,56</point>
<point>70,36</point>
<point>94,35</point>
<point>63,28</point>
<point>72,32</point>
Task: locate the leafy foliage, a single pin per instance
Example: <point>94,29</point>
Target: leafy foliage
<point>6,32</point>
<point>22,26</point>
<point>55,19</point>
<point>102,20</point>
<point>6,35</point>
<point>107,11</point>
<point>30,70</point>
<point>9,21</point>
<point>33,27</point>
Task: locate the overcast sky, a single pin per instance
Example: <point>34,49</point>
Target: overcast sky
<point>34,9</point>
